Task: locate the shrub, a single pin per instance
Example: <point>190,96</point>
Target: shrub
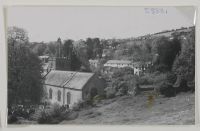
<point>110,92</point>
<point>46,118</point>
<point>87,103</point>
<point>53,115</point>
<point>166,87</point>
<point>146,79</point>
<point>12,119</point>
<point>167,90</point>
<point>158,78</point>
<point>152,78</point>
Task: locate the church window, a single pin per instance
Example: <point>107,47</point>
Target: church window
<point>68,98</point>
<point>59,95</point>
<point>50,93</point>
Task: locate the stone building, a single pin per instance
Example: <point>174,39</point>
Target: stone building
<point>69,87</point>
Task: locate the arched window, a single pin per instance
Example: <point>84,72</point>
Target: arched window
<point>50,93</point>
<point>59,95</point>
<point>68,98</point>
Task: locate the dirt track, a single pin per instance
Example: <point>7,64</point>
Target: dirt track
<point>137,110</point>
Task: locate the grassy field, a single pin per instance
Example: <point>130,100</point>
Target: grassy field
<point>140,110</point>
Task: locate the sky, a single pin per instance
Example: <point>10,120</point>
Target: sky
<point>68,22</point>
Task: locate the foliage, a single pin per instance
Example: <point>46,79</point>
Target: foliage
<point>167,90</point>
<point>124,80</point>
<point>24,70</point>
<point>184,64</point>
<point>110,92</point>
<point>167,51</point>
<point>94,48</point>
<point>155,78</point>
<point>54,115</point>
<point>51,48</point>
<point>39,48</point>
<point>68,59</point>
<point>17,34</point>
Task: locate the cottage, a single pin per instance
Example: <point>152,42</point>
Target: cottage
<point>94,63</point>
<point>69,87</point>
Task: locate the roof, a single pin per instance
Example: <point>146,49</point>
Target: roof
<point>79,80</point>
<point>118,62</point>
<point>44,56</point>
<point>70,79</point>
<point>95,61</point>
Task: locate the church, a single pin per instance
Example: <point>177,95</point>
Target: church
<point>70,87</point>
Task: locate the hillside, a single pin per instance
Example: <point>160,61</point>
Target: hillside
<point>136,110</point>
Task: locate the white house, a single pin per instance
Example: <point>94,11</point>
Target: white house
<point>69,87</point>
<point>137,66</point>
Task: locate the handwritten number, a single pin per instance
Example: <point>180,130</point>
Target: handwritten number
<point>155,11</point>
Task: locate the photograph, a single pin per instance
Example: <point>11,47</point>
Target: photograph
<point>100,65</point>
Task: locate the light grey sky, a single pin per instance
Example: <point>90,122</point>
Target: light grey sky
<point>49,23</point>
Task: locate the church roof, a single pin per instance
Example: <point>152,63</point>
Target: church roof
<point>68,79</point>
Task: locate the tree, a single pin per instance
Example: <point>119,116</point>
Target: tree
<point>167,51</point>
<point>89,44</point>
<point>70,60</point>
<point>82,55</point>
<point>52,48</point>
<point>68,48</point>
<point>24,70</point>
<point>39,48</point>
<point>124,81</point>
<point>184,64</point>
<point>94,48</point>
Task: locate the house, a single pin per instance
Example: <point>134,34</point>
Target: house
<point>138,67</point>
<point>69,87</point>
<point>94,63</point>
<point>109,65</point>
<point>44,58</point>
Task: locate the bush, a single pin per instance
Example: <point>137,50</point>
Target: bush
<point>161,68</point>
<point>12,119</point>
<point>53,115</point>
<point>146,79</point>
<point>110,92</point>
<point>85,104</point>
<point>159,78</point>
<point>167,90</point>
<point>152,78</point>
